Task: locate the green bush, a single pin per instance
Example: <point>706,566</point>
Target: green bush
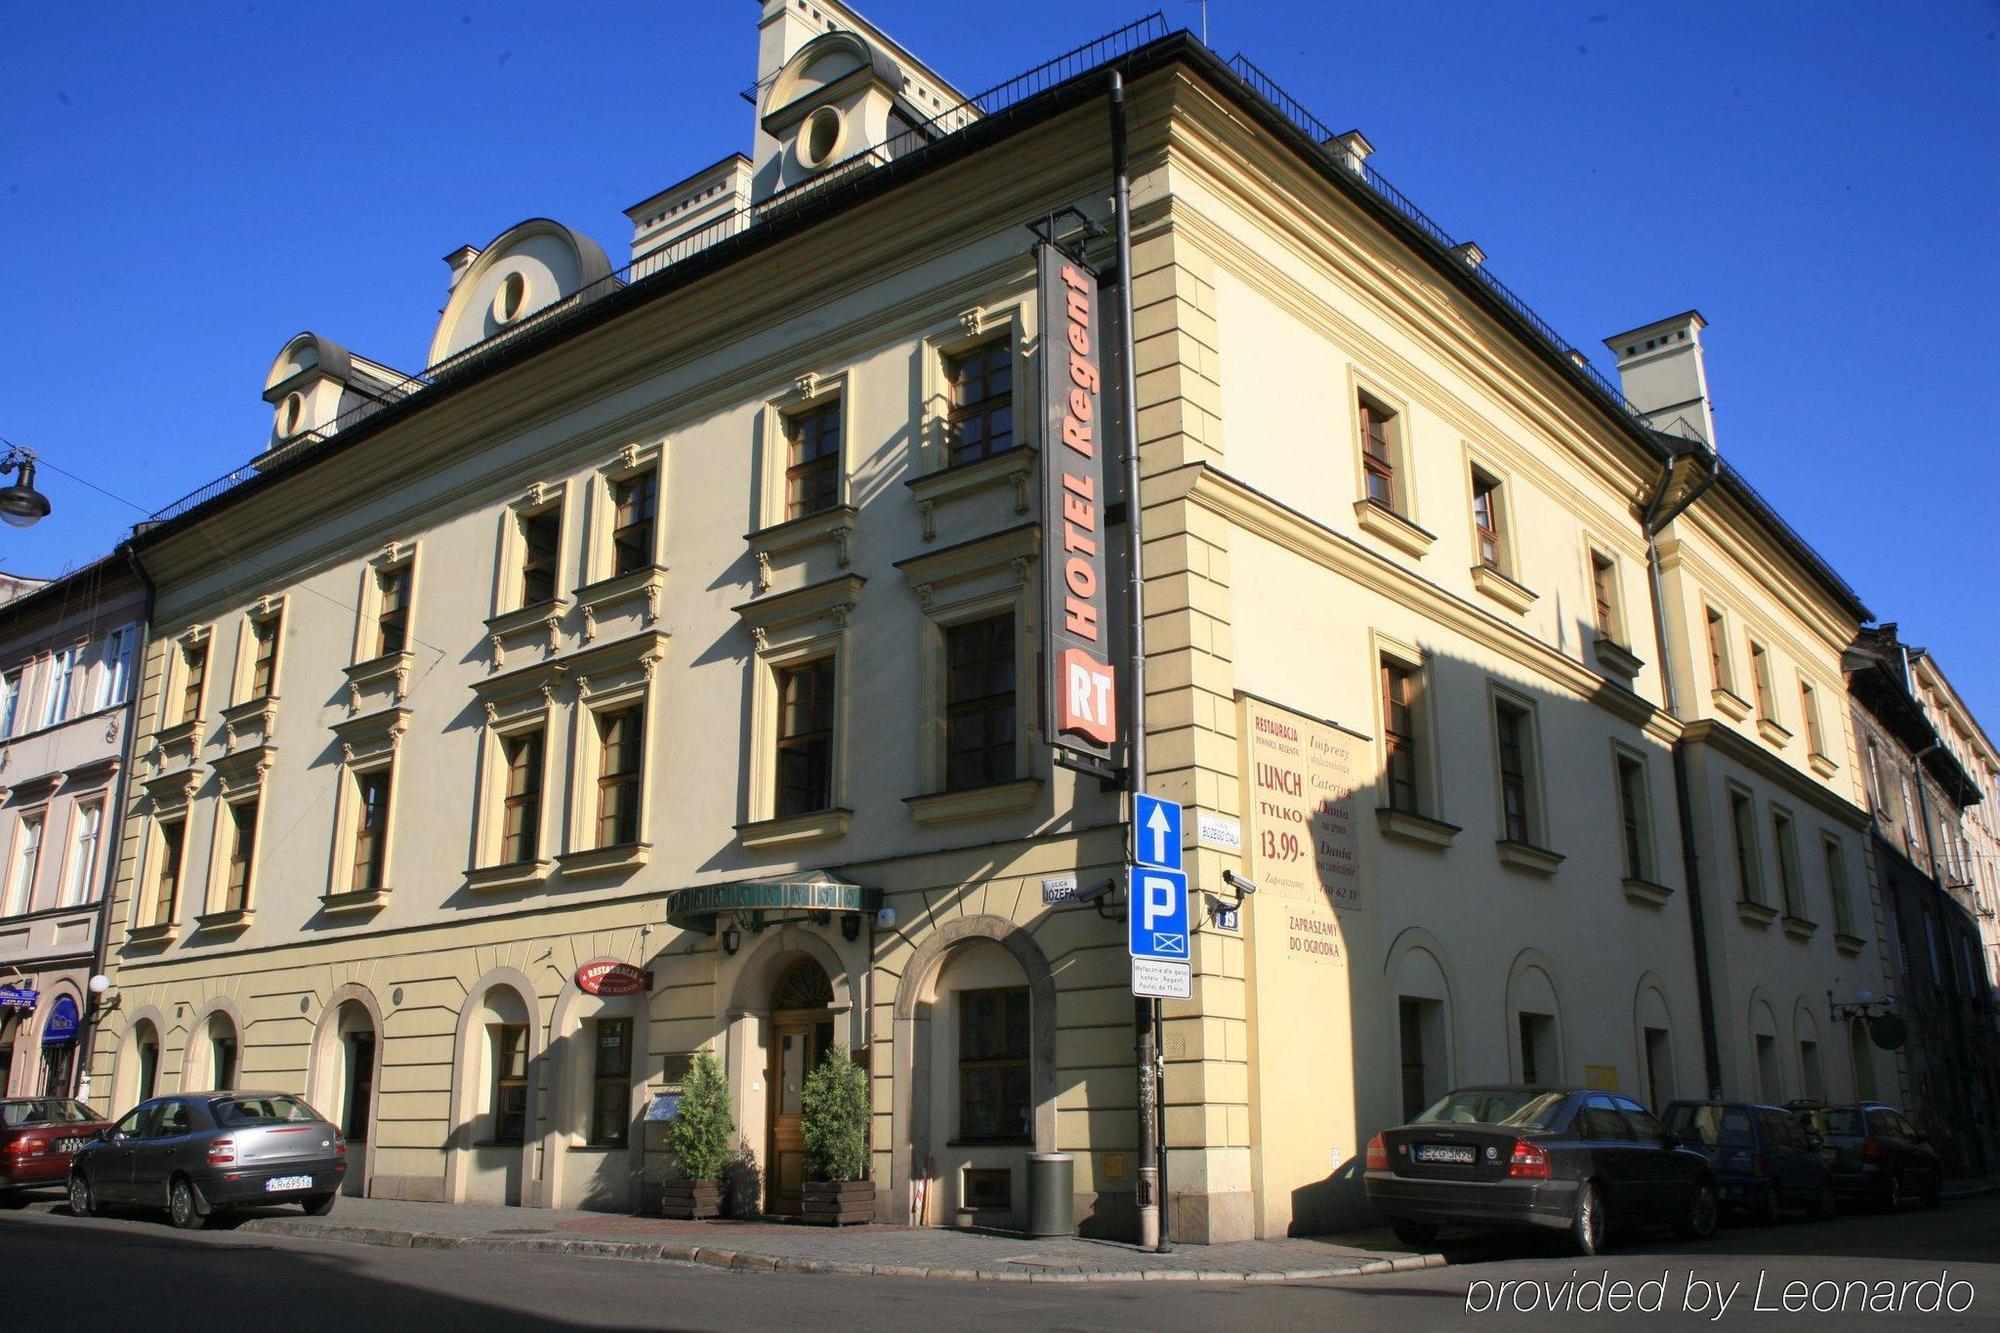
<point>699,1135</point>
<point>834,1119</point>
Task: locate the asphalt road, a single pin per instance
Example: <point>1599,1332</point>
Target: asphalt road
<point>131,1272</point>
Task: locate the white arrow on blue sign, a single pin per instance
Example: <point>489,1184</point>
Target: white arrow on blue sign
<point>1157,915</point>
<point>1156,832</point>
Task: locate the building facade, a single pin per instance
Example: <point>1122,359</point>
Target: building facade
<point>688,616</point>
<point>69,651</point>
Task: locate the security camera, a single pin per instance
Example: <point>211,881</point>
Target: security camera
<point>1094,892</point>
<point>1243,886</point>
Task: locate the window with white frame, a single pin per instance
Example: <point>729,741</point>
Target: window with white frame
<point>1381,431</point>
<point>1607,606</point>
<point>10,701</point>
<point>797,679</point>
<point>169,849</point>
<point>266,633</point>
<point>813,458</point>
<point>1489,522</point>
<point>62,680</point>
<point>115,683</point>
<point>1518,765</point>
<point>193,679</point>
<point>238,829</point>
<point>26,862</point>
<point>86,833</point>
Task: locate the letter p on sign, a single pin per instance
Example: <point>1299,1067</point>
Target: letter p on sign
<point>1088,704</point>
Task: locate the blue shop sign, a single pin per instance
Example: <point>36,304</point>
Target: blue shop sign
<point>61,1026</point>
<point>18,997</point>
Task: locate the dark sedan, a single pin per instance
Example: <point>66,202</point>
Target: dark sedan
<point>1565,1159</point>
<point>195,1152</point>
<point>39,1135</point>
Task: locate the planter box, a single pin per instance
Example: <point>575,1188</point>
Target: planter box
<point>838,1203</point>
<point>691,1200</point>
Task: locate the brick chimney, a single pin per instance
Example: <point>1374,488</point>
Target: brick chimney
<point>1660,369</point>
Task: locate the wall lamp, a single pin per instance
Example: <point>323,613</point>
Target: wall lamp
<point>21,505</point>
<point>1864,1005</point>
<point>732,939</point>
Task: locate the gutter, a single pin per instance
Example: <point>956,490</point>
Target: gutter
<point>1660,511</point>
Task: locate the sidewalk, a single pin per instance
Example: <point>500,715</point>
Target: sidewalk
<point>880,1251</point>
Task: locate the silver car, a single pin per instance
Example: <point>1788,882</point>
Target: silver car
<point>195,1152</point>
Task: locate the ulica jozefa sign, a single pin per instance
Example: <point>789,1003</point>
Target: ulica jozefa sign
<point>1082,693</point>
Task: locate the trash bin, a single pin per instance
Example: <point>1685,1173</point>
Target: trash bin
<point>1051,1194</point>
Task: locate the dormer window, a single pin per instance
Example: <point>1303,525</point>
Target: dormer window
<point>511,298</point>
<point>291,415</point>
<point>822,137</point>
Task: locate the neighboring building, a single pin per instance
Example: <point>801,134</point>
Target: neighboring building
<point>1921,794</point>
<point>690,617</point>
<point>69,649</point>
<point>1972,853</point>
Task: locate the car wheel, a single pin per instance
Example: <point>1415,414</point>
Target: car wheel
<point>1703,1210</point>
<point>1587,1224</point>
<point>1823,1204</point>
<point>82,1202</point>
<point>1414,1233</point>
<point>181,1206</point>
<point>319,1205</point>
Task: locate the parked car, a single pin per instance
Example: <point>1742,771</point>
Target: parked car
<point>1765,1161</point>
<point>1566,1159</point>
<point>39,1136</point>
<point>1876,1154</point>
<point>196,1152</point>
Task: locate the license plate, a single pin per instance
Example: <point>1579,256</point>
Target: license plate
<point>1446,1152</point>
<point>279,1184</point>
<point>69,1145</point>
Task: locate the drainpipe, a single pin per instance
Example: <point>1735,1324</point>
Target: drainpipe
<point>1146,1012</point>
<point>94,1005</point>
<point>1657,516</point>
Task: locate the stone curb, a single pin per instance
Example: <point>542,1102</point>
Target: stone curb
<point>745,1261</point>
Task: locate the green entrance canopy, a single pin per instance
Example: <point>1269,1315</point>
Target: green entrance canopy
<point>813,892</point>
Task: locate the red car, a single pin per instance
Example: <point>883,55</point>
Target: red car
<point>39,1135</point>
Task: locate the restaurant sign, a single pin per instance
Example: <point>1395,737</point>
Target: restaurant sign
<point>697,909</point>
<point>607,976</point>
<point>18,997</point>
<point>1080,686</point>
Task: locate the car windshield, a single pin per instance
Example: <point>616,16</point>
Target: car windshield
<point>45,1111</point>
<point>1843,1120</point>
<point>1516,1108</point>
<point>1712,1126</point>
<point>259,1110</point>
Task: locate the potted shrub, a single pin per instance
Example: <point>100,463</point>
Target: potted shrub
<point>834,1122</point>
<point>699,1137</point>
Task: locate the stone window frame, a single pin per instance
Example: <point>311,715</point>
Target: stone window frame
<point>510,548</point>
<point>521,701</point>
<point>98,797</point>
<point>394,556</point>
<point>1648,871</point>
<point>774,533</point>
<point>1784,852</point>
<point>216,914</point>
<point>1425,825</point>
<point>173,678</point>
<point>605,679</point>
<point>1502,584</point>
<point>787,630</point>
<point>41,811</point>
<point>1746,850</point>
<point>264,610</point>
<point>170,799</point>
<point>973,327</point>
<point>368,745</point>
<point>957,585</point>
<point>1397,523</point>
<point>1716,619</point>
<point>598,560</point>
<point>1534,853</point>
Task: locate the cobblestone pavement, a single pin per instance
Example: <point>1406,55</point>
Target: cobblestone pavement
<point>889,1251</point>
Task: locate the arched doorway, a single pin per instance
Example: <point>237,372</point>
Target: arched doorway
<point>354,1043</point>
<point>213,1055</point>
<point>802,1028</point>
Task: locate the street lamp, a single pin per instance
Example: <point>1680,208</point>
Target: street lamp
<point>21,505</point>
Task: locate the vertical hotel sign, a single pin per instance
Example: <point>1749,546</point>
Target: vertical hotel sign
<point>1082,693</point>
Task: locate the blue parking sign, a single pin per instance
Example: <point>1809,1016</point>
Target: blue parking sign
<point>1157,914</point>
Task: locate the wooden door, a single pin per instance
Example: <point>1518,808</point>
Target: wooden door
<point>799,1040</point>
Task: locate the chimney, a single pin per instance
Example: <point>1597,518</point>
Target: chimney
<point>1470,253</point>
<point>1352,149</point>
<point>1660,369</point>
<point>460,260</point>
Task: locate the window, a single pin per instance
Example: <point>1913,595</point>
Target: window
<point>10,701</point>
<point>1538,1048</point>
<point>1399,734</point>
<point>167,875</point>
<point>1486,522</point>
<point>1512,728</point>
<point>1635,826</point>
<point>611,1090</point>
<point>1743,831</point>
<point>1604,593</point>
<point>1415,1016</point>
<point>541,541</point>
<point>242,852</point>
<point>982,401</point>
<point>264,633</point>
<point>812,474</point>
<point>1718,651</point>
<point>993,1041</point>
<point>62,676</point>
<point>86,831</point>
<point>510,1082</point>
<point>1659,1066</point>
<point>119,648</point>
<point>392,619</point>
<point>1378,453</point>
<point>620,760</point>
<point>194,675</point>
<point>1760,678</point>
<point>371,830</point>
<point>1788,864</point>
<point>521,822</point>
<point>805,737</point>
<point>1770,1084</point>
<point>979,702</point>
<point>1813,1079</point>
<point>1809,710</point>
<point>635,505</point>
<point>222,1059</point>
<point>27,862</point>
<point>1878,783</point>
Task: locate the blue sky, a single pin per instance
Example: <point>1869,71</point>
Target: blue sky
<point>183,187</point>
